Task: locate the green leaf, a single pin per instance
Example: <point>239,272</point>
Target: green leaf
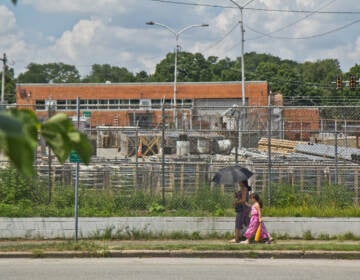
<point>30,125</point>
<point>55,132</point>
<point>83,148</point>
<point>21,152</point>
<point>10,126</point>
<point>19,138</point>
<point>19,130</point>
<point>60,135</point>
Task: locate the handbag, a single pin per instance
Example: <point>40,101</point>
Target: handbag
<point>258,233</point>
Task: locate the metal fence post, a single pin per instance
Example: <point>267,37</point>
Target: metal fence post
<point>136,154</point>
<point>269,150</point>
<point>163,152</point>
<point>77,177</point>
<point>51,112</point>
<point>336,154</point>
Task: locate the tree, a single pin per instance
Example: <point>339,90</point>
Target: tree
<point>50,72</point>
<point>193,67</point>
<point>266,71</point>
<point>142,77</point>
<point>253,60</point>
<point>105,72</point>
<point>10,86</point>
<point>289,83</point>
<point>318,78</point>
<point>190,68</point>
<point>164,71</point>
<point>225,70</point>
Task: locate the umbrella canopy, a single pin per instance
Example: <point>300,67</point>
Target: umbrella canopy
<point>232,175</point>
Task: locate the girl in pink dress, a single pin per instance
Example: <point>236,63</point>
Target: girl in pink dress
<point>255,221</point>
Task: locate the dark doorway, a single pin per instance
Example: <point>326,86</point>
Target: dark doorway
<point>144,119</point>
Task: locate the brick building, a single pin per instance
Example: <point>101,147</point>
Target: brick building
<point>128,104</point>
<point>125,104</point>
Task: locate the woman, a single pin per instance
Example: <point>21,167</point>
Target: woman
<point>255,220</point>
<point>242,210</point>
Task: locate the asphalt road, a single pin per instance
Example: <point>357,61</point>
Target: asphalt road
<point>177,268</point>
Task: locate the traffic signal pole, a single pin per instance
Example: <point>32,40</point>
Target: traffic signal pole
<point>351,82</point>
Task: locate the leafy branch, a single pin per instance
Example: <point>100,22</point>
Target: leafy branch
<point>20,131</point>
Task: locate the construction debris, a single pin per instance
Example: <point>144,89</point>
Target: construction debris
<point>278,145</point>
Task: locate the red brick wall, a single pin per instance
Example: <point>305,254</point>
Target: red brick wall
<point>27,94</point>
<point>301,123</point>
<point>256,92</point>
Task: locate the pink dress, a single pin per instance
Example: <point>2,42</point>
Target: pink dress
<point>254,224</point>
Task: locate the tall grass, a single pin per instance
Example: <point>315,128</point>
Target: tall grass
<point>20,197</point>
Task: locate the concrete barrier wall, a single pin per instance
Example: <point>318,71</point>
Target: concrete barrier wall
<point>51,228</point>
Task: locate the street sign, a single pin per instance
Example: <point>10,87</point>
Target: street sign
<point>74,157</point>
<point>87,114</point>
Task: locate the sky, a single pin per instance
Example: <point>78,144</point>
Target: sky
<point>87,32</point>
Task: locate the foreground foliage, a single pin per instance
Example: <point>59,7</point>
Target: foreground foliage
<point>20,131</point>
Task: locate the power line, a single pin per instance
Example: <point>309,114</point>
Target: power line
<point>253,9</point>
<point>295,22</point>
<point>305,37</point>
<point>282,28</point>
<point>223,38</point>
<point>193,4</point>
<point>289,38</point>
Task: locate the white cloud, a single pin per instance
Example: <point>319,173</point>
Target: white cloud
<point>72,43</point>
<point>79,6</point>
<point>7,20</point>
<point>11,38</point>
<point>96,41</point>
<point>347,54</point>
<point>84,32</point>
<point>224,21</point>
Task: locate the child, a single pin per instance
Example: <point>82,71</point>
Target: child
<point>255,221</point>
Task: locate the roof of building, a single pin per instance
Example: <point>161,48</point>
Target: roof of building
<point>142,84</point>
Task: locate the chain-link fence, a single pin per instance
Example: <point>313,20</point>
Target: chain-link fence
<point>169,152</point>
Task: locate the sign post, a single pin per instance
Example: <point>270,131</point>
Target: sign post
<point>74,157</point>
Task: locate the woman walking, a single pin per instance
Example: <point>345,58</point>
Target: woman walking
<point>256,220</point>
<point>242,210</point>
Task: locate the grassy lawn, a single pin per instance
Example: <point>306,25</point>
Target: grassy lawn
<point>93,246</point>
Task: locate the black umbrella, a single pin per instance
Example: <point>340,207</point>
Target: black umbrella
<point>232,175</point>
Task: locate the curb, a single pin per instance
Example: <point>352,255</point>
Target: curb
<point>353,255</point>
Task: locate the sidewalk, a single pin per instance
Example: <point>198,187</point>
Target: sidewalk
<point>176,248</point>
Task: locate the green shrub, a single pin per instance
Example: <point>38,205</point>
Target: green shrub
<point>26,197</point>
<point>156,208</point>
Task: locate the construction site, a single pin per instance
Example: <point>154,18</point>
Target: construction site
<point>142,141</point>
<point>181,161</point>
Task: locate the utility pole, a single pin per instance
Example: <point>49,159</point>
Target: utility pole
<point>241,8</point>
<point>241,120</point>
<point>3,78</point>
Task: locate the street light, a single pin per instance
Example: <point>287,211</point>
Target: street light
<point>176,34</point>
<point>242,47</point>
<point>241,125</point>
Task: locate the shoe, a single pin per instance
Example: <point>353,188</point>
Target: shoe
<point>270,241</point>
<point>232,241</point>
<point>244,242</point>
